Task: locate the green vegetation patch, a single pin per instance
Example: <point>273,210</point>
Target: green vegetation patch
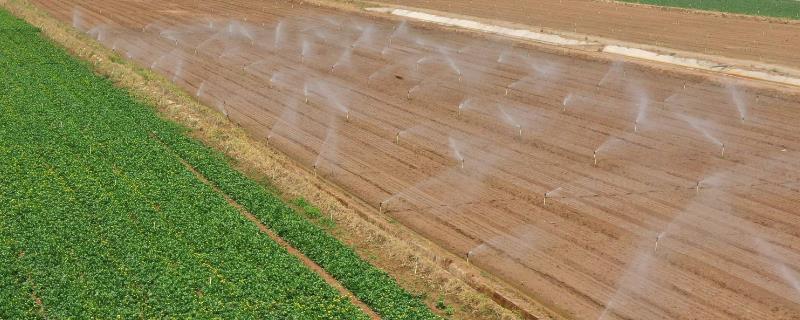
<point>101,219</point>
<point>98,219</point>
<point>789,9</point>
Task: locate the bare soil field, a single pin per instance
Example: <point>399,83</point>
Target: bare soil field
<point>603,189</point>
<point>739,37</point>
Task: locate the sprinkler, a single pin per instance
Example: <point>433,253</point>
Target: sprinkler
<point>519,128</point>
<point>658,237</point>
<point>636,126</point>
<point>269,137</point>
<point>347,116</point>
<point>469,254</point>
<point>594,156</point>
<point>722,154</point>
<point>380,207</point>
<point>506,90</point>
<point>544,199</point>
<point>315,170</point>
<point>462,163</point>
<point>697,187</point>
<point>397,138</point>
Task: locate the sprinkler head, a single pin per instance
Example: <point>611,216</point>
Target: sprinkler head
<point>397,137</point>
<point>544,199</point>
<point>380,207</point>
<point>594,156</point>
<point>697,187</point>
<point>347,116</point>
<point>506,90</point>
<point>722,154</point>
<point>636,126</point>
<point>462,163</point>
<point>519,128</point>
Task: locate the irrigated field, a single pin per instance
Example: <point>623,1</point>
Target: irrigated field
<point>603,189</point>
<point>101,218</point>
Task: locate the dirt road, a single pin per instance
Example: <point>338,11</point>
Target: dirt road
<point>602,189</point>
<point>712,34</point>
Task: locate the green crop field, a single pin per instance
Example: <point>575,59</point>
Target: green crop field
<point>789,9</point>
<point>100,218</point>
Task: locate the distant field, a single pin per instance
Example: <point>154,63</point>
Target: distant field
<point>769,8</point>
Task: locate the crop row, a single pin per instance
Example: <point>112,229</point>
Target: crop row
<point>99,220</point>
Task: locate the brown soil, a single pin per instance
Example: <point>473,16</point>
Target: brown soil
<point>741,37</point>
<point>725,250</point>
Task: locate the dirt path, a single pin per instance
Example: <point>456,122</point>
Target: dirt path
<point>310,264</point>
<point>489,150</point>
<point>744,38</point>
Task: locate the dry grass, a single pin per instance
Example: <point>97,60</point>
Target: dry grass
<point>418,265</point>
